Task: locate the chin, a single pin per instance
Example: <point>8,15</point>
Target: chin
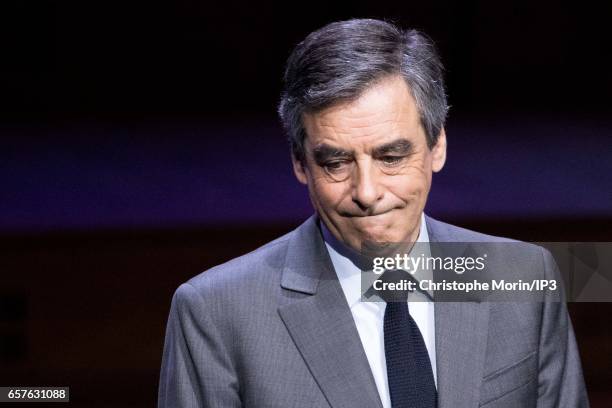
<point>378,234</point>
<point>388,234</point>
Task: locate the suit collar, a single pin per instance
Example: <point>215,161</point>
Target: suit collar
<point>306,260</point>
<point>320,323</point>
<point>439,231</point>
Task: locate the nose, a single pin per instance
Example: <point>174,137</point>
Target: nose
<point>366,187</point>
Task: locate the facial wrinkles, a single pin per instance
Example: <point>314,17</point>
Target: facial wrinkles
<point>363,130</point>
<point>359,128</point>
<point>416,166</point>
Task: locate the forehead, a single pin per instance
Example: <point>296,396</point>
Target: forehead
<point>384,112</point>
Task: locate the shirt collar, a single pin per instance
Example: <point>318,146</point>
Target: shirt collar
<point>349,264</point>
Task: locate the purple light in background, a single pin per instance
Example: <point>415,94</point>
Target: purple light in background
<point>168,175</point>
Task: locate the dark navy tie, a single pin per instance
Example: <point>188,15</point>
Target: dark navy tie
<point>409,372</point>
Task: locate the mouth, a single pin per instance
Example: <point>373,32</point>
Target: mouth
<point>369,215</point>
<point>380,220</point>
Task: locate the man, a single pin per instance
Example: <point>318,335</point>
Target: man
<point>364,107</point>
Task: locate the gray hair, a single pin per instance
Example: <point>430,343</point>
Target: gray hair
<point>338,62</point>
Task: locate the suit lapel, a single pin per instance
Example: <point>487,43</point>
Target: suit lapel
<point>321,325</point>
<point>461,339</point>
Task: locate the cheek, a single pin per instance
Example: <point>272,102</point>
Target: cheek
<point>414,183</point>
<point>327,195</point>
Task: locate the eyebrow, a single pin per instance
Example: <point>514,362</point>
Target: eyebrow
<point>398,146</point>
<point>325,152</point>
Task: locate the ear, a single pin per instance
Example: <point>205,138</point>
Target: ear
<point>439,153</point>
<point>299,170</point>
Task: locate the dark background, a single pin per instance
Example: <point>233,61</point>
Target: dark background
<point>139,145</point>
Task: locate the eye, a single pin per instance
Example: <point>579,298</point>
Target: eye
<point>336,166</point>
<point>392,160</point>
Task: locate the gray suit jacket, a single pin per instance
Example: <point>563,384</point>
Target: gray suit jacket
<point>273,329</point>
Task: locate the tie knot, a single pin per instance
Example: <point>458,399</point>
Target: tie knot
<point>394,286</point>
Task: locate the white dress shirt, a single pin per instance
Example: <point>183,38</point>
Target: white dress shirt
<point>369,315</point>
